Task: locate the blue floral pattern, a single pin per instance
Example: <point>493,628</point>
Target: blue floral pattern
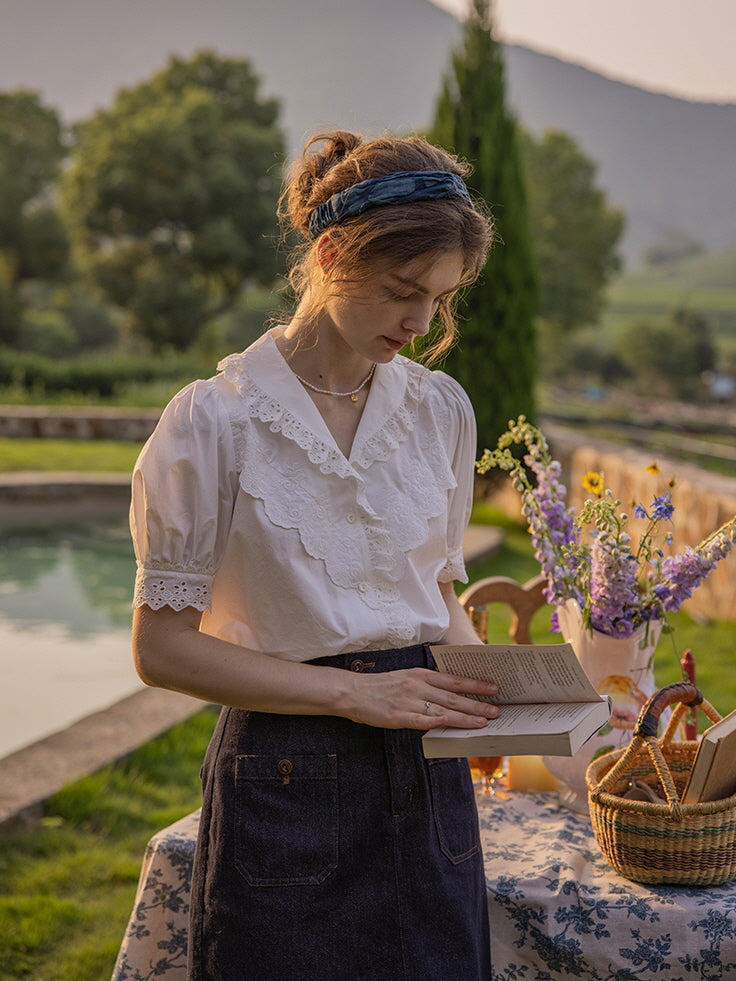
<point>156,941</point>
<point>559,911</point>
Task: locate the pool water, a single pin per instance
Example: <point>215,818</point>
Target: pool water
<point>65,595</point>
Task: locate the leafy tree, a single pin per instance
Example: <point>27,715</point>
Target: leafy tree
<point>668,358</point>
<point>33,242</point>
<point>62,320</point>
<point>495,357</point>
<point>172,195</point>
<point>574,229</point>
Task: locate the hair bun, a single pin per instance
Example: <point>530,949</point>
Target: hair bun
<point>305,187</point>
<point>336,146</point>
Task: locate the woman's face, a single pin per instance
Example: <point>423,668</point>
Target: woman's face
<point>378,317</point>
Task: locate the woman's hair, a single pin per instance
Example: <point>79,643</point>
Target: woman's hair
<point>384,237</point>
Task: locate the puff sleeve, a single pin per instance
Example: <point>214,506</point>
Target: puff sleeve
<point>460,442</point>
<point>183,490</point>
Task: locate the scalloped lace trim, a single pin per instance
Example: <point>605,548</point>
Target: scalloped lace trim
<point>344,530</point>
<point>161,587</point>
<point>454,569</point>
<point>259,405</point>
<point>379,446</point>
<point>397,427</point>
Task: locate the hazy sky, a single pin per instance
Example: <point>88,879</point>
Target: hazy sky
<point>683,47</point>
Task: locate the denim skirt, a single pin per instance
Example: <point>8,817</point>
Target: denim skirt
<point>334,851</point>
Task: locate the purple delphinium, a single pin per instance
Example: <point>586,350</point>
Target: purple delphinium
<point>614,597</point>
<point>680,575</point>
<point>554,535</point>
<point>662,508</point>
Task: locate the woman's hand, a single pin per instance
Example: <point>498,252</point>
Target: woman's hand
<point>419,698</point>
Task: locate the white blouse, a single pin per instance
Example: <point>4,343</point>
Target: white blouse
<point>244,508</point>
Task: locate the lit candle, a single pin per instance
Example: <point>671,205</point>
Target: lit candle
<point>530,775</point>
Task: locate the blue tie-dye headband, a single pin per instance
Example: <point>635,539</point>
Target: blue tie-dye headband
<point>400,188</point>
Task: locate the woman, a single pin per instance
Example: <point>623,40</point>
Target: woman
<point>298,522</point>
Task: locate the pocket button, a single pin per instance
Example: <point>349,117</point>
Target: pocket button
<point>285,767</point>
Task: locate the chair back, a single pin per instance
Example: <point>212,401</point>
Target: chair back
<point>523,599</point>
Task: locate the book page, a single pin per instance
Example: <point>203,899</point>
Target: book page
<point>534,719</point>
<point>523,672</point>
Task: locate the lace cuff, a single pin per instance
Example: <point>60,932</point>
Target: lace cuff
<point>454,569</point>
<point>157,588</point>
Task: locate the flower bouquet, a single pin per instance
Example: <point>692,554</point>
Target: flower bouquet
<point>611,593</point>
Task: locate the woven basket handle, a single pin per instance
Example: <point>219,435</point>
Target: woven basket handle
<point>682,691</point>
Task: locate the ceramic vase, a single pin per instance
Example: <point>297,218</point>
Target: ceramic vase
<point>622,667</point>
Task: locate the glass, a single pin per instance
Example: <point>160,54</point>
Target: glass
<point>489,769</point>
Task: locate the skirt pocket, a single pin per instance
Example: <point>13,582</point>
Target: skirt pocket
<point>453,803</point>
<point>286,823</point>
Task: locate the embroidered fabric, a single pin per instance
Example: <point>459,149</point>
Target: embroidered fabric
<point>346,534</point>
<point>454,568</point>
<point>172,588</point>
<point>378,446</point>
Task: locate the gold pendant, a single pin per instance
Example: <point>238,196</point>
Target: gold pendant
<point>354,398</point>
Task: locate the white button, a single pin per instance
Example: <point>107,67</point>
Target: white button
<point>362,586</point>
<point>351,517</point>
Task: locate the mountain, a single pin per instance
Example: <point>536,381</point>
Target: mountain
<point>665,161</point>
<point>376,65</point>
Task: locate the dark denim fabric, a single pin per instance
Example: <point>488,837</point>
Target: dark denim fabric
<point>332,851</point>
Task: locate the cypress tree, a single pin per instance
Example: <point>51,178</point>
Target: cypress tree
<point>494,358</point>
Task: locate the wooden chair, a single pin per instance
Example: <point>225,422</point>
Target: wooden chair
<point>524,601</point>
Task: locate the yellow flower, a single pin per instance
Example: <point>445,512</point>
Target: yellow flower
<point>653,468</point>
<point>593,482</point>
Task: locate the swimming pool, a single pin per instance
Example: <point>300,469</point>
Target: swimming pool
<point>65,591</point>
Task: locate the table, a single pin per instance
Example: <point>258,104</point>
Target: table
<point>557,909</point>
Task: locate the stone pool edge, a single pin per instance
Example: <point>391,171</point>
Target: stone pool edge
<point>32,774</point>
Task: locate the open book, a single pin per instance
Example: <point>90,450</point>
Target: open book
<point>713,773</point>
<point>547,703</point>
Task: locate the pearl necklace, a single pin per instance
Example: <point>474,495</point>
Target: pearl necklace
<point>324,391</point>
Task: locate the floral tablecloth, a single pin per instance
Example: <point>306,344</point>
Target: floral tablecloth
<point>155,943</point>
<point>557,910</point>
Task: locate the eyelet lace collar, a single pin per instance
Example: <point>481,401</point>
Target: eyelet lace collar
<point>271,394</point>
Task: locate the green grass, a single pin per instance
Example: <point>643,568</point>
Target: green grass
<point>67,887</point>
<point>705,284</point>
<point>76,455</point>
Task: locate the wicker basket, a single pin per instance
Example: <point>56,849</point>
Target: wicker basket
<point>668,843</point>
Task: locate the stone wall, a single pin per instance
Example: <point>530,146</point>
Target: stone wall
<point>28,422</point>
